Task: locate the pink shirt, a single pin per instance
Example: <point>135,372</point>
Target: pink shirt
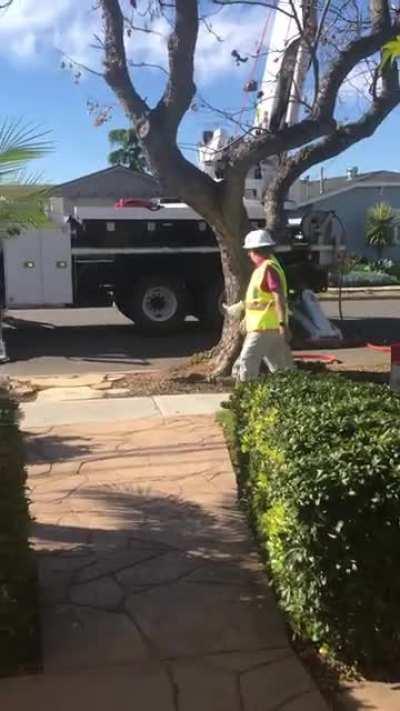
<point>271,281</point>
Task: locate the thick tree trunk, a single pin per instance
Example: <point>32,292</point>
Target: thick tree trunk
<point>227,216</point>
<point>235,278</point>
<point>230,233</point>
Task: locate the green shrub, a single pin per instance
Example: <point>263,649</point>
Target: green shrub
<point>364,277</point>
<point>381,221</point>
<point>18,599</point>
<point>321,479</point>
<point>394,271</point>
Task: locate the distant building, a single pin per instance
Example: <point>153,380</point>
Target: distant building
<point>103,189</point>
<point>350,196</point>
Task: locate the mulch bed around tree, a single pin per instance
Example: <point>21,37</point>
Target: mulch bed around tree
<point>194,378</point>
<point>184,380</point>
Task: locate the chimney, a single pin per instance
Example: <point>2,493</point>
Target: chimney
<point>352,173</point>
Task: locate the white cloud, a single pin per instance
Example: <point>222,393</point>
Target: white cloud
<point>30,30</point>
<point>24,47</point>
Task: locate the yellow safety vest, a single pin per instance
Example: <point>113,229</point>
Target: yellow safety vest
<point>261,311</point>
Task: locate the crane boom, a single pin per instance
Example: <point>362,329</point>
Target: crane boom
<point>287,62</point>
<point>281,88</point>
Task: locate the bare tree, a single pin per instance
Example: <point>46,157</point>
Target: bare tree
<point>347,36</point>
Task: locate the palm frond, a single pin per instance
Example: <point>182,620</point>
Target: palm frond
<point>19,144</point>
<point>22,201</point>
<point>381,220</point>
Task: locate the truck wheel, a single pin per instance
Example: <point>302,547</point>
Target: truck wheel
<point>156,305</point>
<point>210,311</point>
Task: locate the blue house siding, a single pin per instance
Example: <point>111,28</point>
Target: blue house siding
<point>351,206</point>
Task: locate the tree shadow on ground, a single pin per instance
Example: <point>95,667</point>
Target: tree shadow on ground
<point>49,448</point>
<point>380,331</point>
<point>102,343</point>
<point>142,513</point>
<point>185,543</point>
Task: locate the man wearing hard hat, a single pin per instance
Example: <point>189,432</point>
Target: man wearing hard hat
<point>266,311</point>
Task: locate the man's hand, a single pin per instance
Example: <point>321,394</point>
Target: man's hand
<point>235,310</point>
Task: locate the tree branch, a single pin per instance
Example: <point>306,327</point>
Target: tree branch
<point>180,88</point>
<point>338,141</point>
<point>258,3</point>
<point>147,65</point>
<point>115,64</point>
<point>73,63</point>
<point>354,53</point>
<point>247,153</point>
<point>322,122</point>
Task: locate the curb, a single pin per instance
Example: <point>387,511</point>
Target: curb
<point>361,293</point>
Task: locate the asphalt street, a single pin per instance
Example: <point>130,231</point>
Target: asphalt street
<point>72,341</point>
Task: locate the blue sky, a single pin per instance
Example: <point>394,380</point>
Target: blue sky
<point>35,88</point>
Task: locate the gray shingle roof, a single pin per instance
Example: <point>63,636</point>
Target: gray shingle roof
<point>312,188</point>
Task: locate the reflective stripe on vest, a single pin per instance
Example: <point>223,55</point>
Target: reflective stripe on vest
<point>261,311</point>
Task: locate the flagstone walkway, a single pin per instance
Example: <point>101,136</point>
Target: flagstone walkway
<point>153,596</point>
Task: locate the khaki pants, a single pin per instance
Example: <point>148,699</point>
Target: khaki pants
<point>265,345</point>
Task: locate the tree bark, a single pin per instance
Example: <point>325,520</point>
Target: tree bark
<point>230,228</point>
<point>236,273</point>
<point>275,220</point>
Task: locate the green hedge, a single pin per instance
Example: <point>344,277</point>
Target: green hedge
<point>365,278</point>
<point>320,473</point>
<point>394,271</point>
<point>18,593</point>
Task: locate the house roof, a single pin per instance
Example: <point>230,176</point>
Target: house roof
<point>341,184</point>
<point>113,183</point>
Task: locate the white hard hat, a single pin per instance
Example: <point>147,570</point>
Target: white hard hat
<point>258,238</point>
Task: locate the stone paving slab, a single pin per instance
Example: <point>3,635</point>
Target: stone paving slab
<point>47,413</point>
<point>143,688</point>
<point>60,395</point>
<point>196,403</point>
<point>149,579</point>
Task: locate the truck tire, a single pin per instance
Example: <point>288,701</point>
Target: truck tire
<point>209,311</point>
<point>157,305</point>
